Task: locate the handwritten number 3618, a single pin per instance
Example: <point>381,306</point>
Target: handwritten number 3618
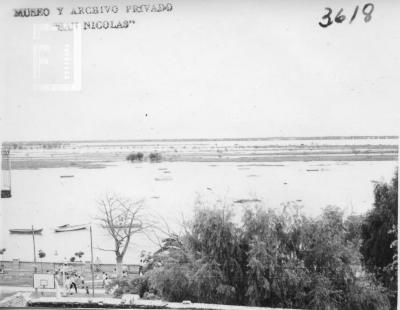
<point>340,18</point>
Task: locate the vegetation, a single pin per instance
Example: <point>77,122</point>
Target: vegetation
<point>139,157</point>
<point>135,156</point>
<point>282,259</point>
<point>79,254</point>
<point>270,260</point>
<point>155,157</point>
<point>42,255</point>
<point>137,285</point>
<point>273,258</point>
<point>122,218</point>
<point>379,237</point>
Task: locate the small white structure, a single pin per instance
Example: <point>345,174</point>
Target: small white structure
<point>43,281</point>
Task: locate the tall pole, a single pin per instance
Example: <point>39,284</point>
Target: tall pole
<point>34,248</point>
<point>63,273</point>
<point>91,259</point>
<point>34,257</point>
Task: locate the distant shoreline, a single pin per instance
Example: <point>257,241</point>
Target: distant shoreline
<point>209,139</point>
<point>96,155</point>
<point>100,164</point>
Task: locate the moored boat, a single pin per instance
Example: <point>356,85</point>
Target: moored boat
<point>125,226</point>
<point>25,231</point>
<point>67,227</point>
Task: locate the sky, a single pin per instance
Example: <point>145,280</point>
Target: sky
<point>206,69</point>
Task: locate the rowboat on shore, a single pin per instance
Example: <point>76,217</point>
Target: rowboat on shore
<point>67,227</point>
<point>26,231</point>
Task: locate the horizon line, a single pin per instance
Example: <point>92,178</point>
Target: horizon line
<point>212,139</point>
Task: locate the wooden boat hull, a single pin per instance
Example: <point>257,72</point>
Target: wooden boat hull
<point>66,228</point>
<point>25,231</point>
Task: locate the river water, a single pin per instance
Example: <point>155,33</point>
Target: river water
<point>44,199</point>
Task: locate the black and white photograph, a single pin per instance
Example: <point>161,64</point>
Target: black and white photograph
<point>199,154</point>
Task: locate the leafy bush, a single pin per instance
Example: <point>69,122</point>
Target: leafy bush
<point>79,254</point>
<point>42,254</point>
<point>138,156</point>
<point>137,285</point>
<point>324,295</point>
<point>173,283</point>
<point>123,287</point>
<point>366,295</point>
<point>140,285</point>
<point>155,157</point>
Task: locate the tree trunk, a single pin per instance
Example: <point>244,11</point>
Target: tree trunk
<point>119,259</point>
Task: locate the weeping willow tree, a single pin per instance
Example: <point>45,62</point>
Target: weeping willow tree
<point>379,235</point>
<point>122,218</point>
<point>268,259</point>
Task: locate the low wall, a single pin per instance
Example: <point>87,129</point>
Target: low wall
<point>18,272</point>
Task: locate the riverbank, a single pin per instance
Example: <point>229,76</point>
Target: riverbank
<point>95,154</point>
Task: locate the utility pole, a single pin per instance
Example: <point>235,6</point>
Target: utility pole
<point>91,259</point>
<point>34,248</point>
<point>34,256</point>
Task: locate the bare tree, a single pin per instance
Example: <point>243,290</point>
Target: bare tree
<point>122,218</point>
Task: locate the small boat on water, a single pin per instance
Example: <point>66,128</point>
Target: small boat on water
<point>67,227</point>
<point>134,225</point>
<point>25,231</point>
